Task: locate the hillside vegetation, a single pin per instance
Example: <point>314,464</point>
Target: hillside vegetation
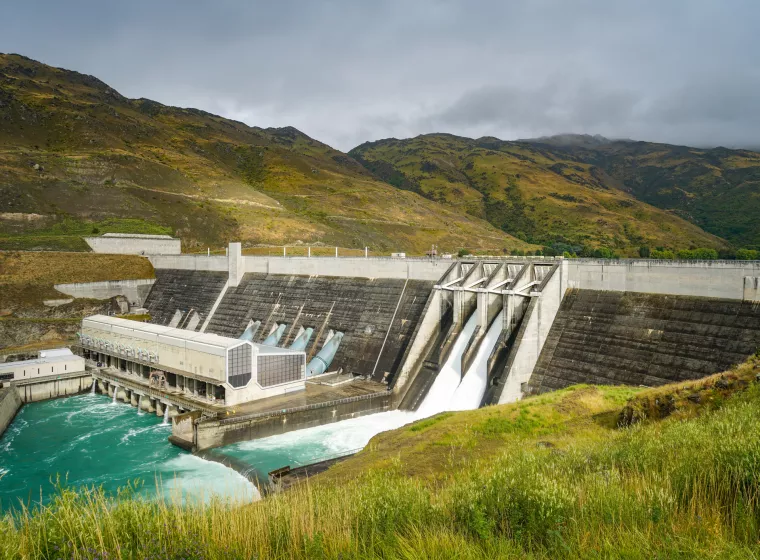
<point>78,158</point>
<point>583,191</point>
<point>552,477</point>
<point>27,279</point>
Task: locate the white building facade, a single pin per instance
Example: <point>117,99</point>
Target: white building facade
<point>55,362</point>
<point>226,371</point>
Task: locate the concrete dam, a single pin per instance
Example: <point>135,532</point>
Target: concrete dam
<point>375,335</point>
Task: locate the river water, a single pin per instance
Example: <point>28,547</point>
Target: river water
<point>91,441</point>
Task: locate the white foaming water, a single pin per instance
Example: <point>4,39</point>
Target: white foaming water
<point>309,445</point>
<point>199,479</point>
<point>470,392</point>
<point>115,390</point>
<point>139,406</point>
<point>166,413</point>
<point>448,379</point>
<point>94,383</point>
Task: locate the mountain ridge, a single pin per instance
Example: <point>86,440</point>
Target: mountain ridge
<point>77,158</point>
<point>559,179</point>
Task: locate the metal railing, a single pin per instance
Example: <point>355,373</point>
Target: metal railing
<point>282,412</point>
<point>49,378</point>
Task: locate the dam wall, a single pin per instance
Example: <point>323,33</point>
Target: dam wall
<point>739,280</point>
<point>213,263</point>
<point>355,267</point>
<point>178,292</point>
<point>10,403</point>
<point>613,337</point>
<point>377,315</point>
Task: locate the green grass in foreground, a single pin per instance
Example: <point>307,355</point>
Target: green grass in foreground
<point>683,487</point>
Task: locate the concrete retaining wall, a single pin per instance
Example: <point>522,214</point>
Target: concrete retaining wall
<point>42,389</point>
<point>413,269</point>
<point>136,291</point>
<point>9,406</point>
<point>214,433</point>
<point>134,245</point>
<point>718,279</point>
<point>214,263</point>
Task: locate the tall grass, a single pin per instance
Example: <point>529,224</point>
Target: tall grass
<point>681,488</point>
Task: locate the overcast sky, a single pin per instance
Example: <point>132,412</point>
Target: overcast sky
<point>344,72</point>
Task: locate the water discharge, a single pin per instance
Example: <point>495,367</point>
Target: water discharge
<point>91,441</point>
<point>306,446</point>
<point>470,392</point>
<point>102,443</point>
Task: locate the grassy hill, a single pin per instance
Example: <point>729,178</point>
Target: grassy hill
<point>586,472</point>
<point>76,157</point>
<point>717,189</point>
<point>590,192</point>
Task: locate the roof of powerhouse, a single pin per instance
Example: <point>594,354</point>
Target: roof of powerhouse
<point>213,343</point>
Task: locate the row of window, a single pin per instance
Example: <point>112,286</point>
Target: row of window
<point>276,370</point>
<point>239,366</point>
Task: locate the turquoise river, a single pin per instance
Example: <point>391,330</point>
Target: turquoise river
<point>90,440</point>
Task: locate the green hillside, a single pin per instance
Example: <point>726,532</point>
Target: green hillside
<point>553,191</point>
<point>77,158</point>
<point>717,189</point>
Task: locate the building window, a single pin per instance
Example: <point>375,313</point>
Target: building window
<point>279,369</point>
<point>239,366</point>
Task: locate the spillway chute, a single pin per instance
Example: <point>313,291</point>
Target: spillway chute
<point>470,392</point>
<point>324,358</point>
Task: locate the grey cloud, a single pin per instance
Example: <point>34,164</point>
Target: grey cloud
<point>345,71</point>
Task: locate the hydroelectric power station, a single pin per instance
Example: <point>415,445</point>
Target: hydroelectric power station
<point>239,348</point>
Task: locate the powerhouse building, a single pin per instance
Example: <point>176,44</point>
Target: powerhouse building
<point>222,370</point>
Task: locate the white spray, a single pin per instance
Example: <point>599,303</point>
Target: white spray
<point>115,389</point>
<point>332,440</point>
<point>470,392</point>
<point>166,414</point>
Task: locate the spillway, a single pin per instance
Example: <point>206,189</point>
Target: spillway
<point>310,445</point>
<point>470,392</point>
<point>446,383</point>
